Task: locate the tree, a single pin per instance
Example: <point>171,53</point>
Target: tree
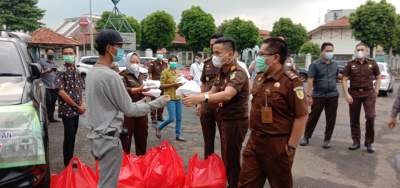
<point>295,34</point>
<point>158,30</point>
<point>20,15</point>
<point>245,33</point>
<point>396,37</point>
<point>197,26</point>
<point>118,21</point>
<point>310,48</point>
<point>373,22</point>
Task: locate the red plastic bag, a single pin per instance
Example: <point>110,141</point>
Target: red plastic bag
<point>164,168</point>
<point>132,172</point>
<point>209,173</point>
<point>81,177</point>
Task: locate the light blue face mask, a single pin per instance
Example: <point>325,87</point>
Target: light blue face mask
<point>160,56</point>
<point>173,65</point>
<point>119,55</point>
<point>329,56</point>
<point>261,66</point>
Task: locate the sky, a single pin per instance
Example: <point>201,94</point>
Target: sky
<point>263,13</point>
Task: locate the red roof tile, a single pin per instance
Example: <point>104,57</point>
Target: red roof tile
<point>342,22</point>
<point>179,39</point>
<point>49,37</point>
<point>264,33</point>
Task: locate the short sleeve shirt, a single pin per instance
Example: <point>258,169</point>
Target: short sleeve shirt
<point>283,92</point>
<point>169,77</point>
<point>71,82</point>
<point>233,76</point>
<point>325,77</point>
<point>49,78</point>
<point>361,73</point>
<point>209,74</point>
<point>156,68</point>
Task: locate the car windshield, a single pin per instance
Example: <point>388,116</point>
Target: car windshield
<point>10,62</point>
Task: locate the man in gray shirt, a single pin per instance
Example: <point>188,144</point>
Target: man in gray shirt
<point>107,102</point>
<point>49,69</point>
<point>395,112</point>
<point>322,94</point>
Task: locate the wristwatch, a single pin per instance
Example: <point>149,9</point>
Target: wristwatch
<point>206,96</point>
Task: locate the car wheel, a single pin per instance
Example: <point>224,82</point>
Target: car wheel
<point>383,93</point>
<point>83,76</point>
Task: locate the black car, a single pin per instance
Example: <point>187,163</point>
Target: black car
<point>341,65</point>
<point>24,160</point>
<point>303,73</point>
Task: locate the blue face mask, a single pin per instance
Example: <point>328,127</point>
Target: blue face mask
<point>119,55</point>
<point>261,66</point>
<point>160,56</point>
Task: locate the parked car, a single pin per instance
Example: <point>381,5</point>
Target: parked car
<point>341,65</point>
<point>24,156</point>
<point>85,64</point>
<point>387,79</point>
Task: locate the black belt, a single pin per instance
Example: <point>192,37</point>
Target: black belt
<point>361,89</point>
<point>269,135</point>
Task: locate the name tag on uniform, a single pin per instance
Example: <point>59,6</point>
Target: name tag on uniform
<point>266,114</point>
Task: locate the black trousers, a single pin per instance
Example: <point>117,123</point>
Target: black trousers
<point>330,105</point>
<point>70,129</point>
<point>51,99</point>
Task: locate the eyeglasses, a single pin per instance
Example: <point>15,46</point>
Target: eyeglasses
<point>260,53</point>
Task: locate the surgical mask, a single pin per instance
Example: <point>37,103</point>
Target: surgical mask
<point>173,65</point>
<point>329,55</point>
<point>360,54</point>
<point>119,56</point>
<point>217,61</point>
<point>160,56</point>
<point>50,57</point>
<point>261,66</point>
<point>133,68</point>
<point>69,59</point>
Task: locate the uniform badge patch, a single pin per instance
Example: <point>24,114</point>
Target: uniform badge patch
<point>277,84</point>
<point>233,75</point>
<point>299,92</point>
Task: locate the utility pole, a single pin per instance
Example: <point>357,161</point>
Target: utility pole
<point>91,28</point>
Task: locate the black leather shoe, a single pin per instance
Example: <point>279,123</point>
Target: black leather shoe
<point>326,145</point>
<point>354,147</point>
<point>304,142</point>
<point>370,149</point>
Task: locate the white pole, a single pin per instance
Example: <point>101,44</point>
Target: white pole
<point>91,28</point>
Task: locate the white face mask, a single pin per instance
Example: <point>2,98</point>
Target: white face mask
<point>217,61</point>
<point>133,69</point>
<point>360,55</point>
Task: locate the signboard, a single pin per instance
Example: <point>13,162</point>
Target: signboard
<point>129,41</point>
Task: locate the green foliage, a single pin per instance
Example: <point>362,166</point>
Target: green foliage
<point>119,23</point>
<point>20,15</point>
<point>396,37</point>
<point>373,22</point>
<point>197,26</point>
<point>245,33</point>
<point>310,48</point>
<point>158,30</point>
<point>295,34</point>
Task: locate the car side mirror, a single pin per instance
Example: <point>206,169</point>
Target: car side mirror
<point>35,71</point>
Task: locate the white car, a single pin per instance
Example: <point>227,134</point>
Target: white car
<point>85,64</point>
<point>387,79</point>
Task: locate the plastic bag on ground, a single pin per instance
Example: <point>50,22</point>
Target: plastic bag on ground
<point>81,177</point>
<point>151,84</point>
<point>164,168</point>
<point>189,88</point>
<point>153,93</point>
<point>209,173</point>
<point>132,172</point>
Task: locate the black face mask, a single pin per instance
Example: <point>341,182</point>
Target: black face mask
<point>50,57</point>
